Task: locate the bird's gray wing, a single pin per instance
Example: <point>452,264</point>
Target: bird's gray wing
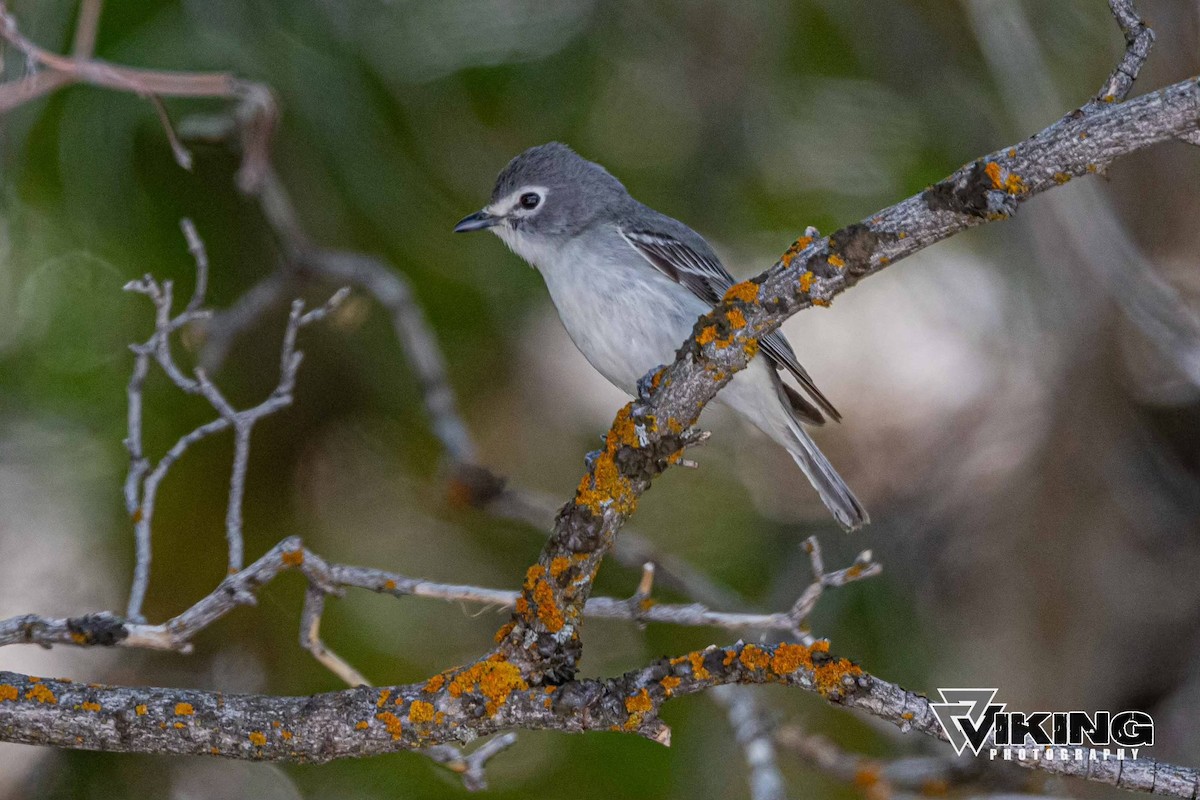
<point>706,277</point>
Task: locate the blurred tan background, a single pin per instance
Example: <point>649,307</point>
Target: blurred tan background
<point>1022,416</point>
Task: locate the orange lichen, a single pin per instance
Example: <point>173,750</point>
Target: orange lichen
<point>420,711</point>
<point>696,659</point>
<point>737,320</point>
<point>179,726</point>
<point>361,725</point>
<point>707,335</point>
<point>494,679</point>
<point>606,485</point>
<point>837,261</point>
<point>753,657</point>
<point>435,684</point>
<point>790,657</point>
<point>746,291</point>
<point>383,698</point>
<point>501,634</point>
<point>750,348</point>
<point>90,706</point>
<point>287,735</point>
<point>829,675</point>
<point>559,565</point>
<point>907,716</point>
<point>522,607</point>
<point>184,709</point>
<point>638,706</point>
<point>796,249</point>
<point>140,710</point>
<point>993,171</point>
<point>41,694</point>
<point>257,738</point>
<point>392,722</point>
<point>1061,177</point>
<point>639,703</point>
<point>548,611</point>
<point>1012,152</point>
<point>389,585</point>
<point>78,638</point>
<point>806,281</point>
<point>8,692</point>
<point>669,684</point>
<point>213,751</point>
<point>730,655</point>
<point>293,558</point>
<point>276,724</point>
<point>821,301</point>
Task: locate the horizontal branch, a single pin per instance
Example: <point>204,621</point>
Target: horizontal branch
<point>465,703</point>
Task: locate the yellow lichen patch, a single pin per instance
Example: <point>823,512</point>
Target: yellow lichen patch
<point>606,485</point>
<point>806,281</point>
<point>383,698</point>
<point>637,705</point>
<point>559,565</point>
<point>361,725</point>
<point>669,684</point>
<point>257,738</point>
<point>750,348</point>
<point>287,735</point>
<point>389,585</point>
<point>179,726</point>
<point>501,634</point>
<point>730,655</point>
<point>737,320</point>
<point>78,638</point>
<point>1012,152</point>
<point>140,710</point>
<point>293,558</point>
<point>821,301</point>
<point>213,751</point>
<point>753,657</point>
<point>548,611</point>
<point>902,235</point>
<point>495,680</point>
<point>1061,177</point>
<point>184,709</point>
<point>790,657</point>
<point>837,261</point>
<point>796,249</point>
<point>41,694</point>
<point>907,716</point>
<point>884,261</point>
<point>746,291</point>
<point>993,171</point>
<point>696,659</point>
<point>90,706</point>
<point>420,711</point>
<point>392,722</point>
<point>8,692</point>
<point>439,718</point>
<point>435,684</point>
<point>522,607</point>
<point>707,335</point>
<point>829,676</point>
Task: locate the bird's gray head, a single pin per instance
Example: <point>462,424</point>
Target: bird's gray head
<point>547,192</point>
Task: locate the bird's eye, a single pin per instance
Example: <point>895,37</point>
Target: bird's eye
<point>530,200</point>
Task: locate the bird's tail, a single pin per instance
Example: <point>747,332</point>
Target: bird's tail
<point>834,492</point>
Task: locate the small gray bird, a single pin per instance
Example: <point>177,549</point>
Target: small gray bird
<point>629,284</point>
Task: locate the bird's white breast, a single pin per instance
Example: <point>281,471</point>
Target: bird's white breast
<point>624,315</point>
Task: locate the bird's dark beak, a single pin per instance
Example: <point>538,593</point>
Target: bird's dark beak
<point>476,222</point>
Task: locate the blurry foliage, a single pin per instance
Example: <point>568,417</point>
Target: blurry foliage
<point>748,120</point>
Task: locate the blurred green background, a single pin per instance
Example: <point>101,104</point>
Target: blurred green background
<point>1029,455</point>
